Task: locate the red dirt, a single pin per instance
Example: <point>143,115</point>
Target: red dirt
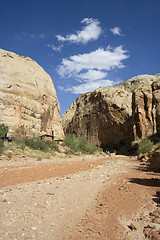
<point>127,201</point>
<point>12,175</point>
<point>125,207</point>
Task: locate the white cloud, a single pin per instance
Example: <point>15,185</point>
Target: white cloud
<point>60,38</point>
<point>42,36</point>
<point>37,36</point>
<point>91,32</point>
<point>90,86</point>
<point>103,60</point>
<point>61,88</point>
<point>17,38</point>
<point>34,36</point>
<point>116,31</point>
<point>92,68</point>
<point>93,75</point>
<point>54,48</point>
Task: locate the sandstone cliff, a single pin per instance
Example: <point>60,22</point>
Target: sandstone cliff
<point>28,100</point>
<point>126,112</point>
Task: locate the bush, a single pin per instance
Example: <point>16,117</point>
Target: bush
<point>37,144</point>
<point>78,144</point>
<point>39,158</point>
<point>145,146</point>
<point>3,131</point>
<point>9,155</point>
<point>1,147</point>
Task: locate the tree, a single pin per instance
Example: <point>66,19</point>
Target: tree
<point>3,131</point>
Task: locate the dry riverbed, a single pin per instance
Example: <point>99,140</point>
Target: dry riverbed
<point>83,197</point>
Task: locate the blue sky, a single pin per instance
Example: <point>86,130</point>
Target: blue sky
<point>84,44</point>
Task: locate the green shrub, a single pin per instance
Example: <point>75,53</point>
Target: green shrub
<point>39,158</point>
<point>78,144</point>
<point>1,147</point>
<point>49,154</point>
<point>3,131</point>
<point>69,140</point>
<point>37,144</point>
<point>69,151</point>
<point>9,155</point>
<point>22,146</point>
<point>145,146</point>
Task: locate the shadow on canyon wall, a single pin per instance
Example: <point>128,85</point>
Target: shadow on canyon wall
<point>127,147</point>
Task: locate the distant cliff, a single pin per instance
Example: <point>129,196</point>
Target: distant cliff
<point>126,112</point>
<point>28,100</point>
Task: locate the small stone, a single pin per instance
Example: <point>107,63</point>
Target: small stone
<point>156,220</point>
<point>34,228</point>
<point>154,226</point>
<point>134,226</point>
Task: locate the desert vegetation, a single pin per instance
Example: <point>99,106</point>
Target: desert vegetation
<point>32,147</point>
<point>3,131</point>
<point>40,148</point>
<point>36,143</point>
<point>78,145</point>
<point>1,147</point>
<point>3,134</point>
<point>145,145</point>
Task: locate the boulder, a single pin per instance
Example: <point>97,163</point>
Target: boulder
<point>124,113</point>
<point>28,100</point>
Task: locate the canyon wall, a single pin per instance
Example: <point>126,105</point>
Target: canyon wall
<point>124,113</point>
<point>28,100</point>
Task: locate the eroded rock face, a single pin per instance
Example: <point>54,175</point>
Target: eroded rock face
<point>126,112</point>
<point>154,159</point>
<point>28,100</point>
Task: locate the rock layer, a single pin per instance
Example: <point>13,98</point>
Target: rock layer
<point>126,112</point>
<point>28,100</point>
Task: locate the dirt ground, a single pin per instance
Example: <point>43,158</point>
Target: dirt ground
<point>83,197</point>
